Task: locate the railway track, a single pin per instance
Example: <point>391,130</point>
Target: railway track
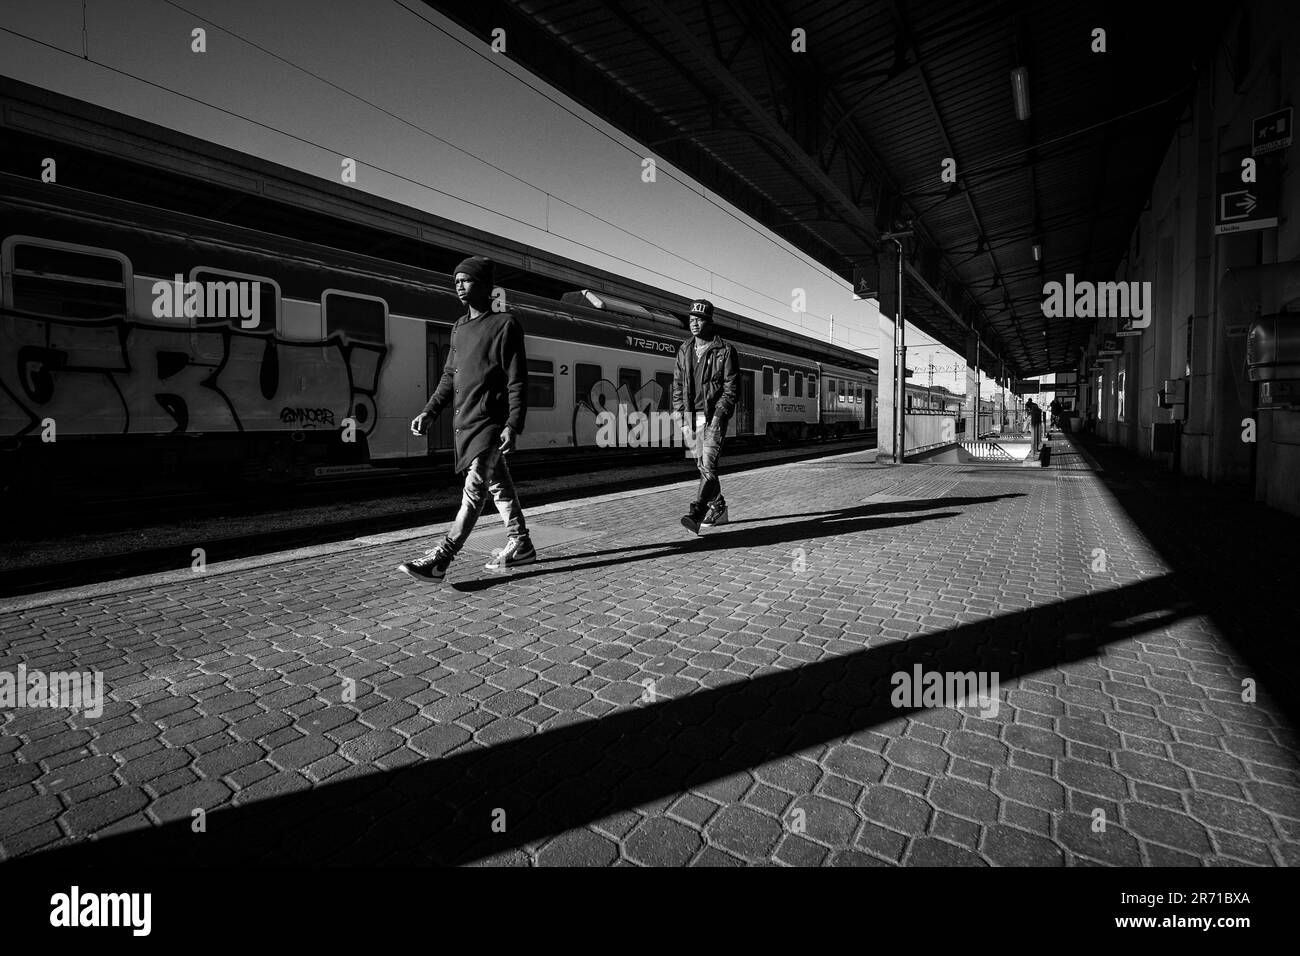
<point>78,511</point>
<point>127,537</point>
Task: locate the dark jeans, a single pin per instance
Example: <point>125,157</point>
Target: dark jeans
<point>488,474</point>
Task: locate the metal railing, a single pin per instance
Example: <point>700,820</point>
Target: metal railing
<point>925,429</point>
<point>986,450</point>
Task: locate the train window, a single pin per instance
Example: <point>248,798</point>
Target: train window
<point>798,384</point>
<point>227,300</point>
<point>859,395</point>
<point>358,318</point>
<point>630,378</point>
<point>830,388</point>
<point>840,399</point>
<point>785,382</point>
<point>665,380</point>
<point>73,282</point>
<point>541,383</point>
<point>812,387</point>
<point>585,377</point>
<point>767,380</point>
<point>909,403</point>
<point>868,396</point>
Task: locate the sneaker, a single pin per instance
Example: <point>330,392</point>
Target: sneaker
<point>691,520</point>
<point>516,552</point>
<point>716,515</point>
<point>431,567</point>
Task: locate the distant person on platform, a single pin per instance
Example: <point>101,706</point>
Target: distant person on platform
<point>486,383</point>
<point>1057,411</point>
<point>1035,424</point>
<point>705,386</point>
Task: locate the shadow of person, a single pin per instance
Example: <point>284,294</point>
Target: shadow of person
<point>817,524</point>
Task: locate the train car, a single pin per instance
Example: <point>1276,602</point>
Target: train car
<point>777,393</point>
<point>192,312</point>
<point>848,403</point>
<point>109,358</point>
<point>120,356</point>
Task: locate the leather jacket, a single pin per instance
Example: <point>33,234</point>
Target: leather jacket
<point>721,380</point>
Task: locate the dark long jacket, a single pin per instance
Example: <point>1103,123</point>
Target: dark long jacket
<point>485,381</point>
<point>713,386</point>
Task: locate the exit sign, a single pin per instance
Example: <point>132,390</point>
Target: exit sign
<point>1272,132</point>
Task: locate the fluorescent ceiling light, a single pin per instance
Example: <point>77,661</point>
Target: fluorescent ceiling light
<point>1020,90</point>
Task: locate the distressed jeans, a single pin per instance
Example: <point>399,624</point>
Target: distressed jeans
<point>488,474</point>
<point>709,450</point>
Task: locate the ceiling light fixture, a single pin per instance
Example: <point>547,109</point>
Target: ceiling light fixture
<point>1038,252</point>
<point>1020,90</point>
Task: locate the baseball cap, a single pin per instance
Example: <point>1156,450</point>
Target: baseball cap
<point>702,308</point>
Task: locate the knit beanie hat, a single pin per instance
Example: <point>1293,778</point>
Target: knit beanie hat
<point>477,268</point>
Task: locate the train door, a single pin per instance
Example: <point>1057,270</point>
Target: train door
<point>439,344</point>
<point>745,404</point>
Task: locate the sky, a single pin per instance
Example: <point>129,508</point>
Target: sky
<point>434,119</point>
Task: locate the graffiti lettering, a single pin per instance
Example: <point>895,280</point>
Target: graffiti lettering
<point>308,417</point>
<point>618,401</point>
<point>124,377</point>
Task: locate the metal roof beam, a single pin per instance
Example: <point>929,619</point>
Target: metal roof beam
<point>775,133</point>
<point>905,31</point>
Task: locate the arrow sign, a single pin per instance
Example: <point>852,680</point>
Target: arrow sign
<point>1245,206</point>
<point>1236,205</point>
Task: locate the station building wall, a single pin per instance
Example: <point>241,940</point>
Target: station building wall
<point>1255,72</point>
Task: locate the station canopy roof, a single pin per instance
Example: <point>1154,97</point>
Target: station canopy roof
<point>831,146</point>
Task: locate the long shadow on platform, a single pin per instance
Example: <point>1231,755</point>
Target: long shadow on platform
<point>822,524</point>
<point>881,508</point>
<point>441,811</point>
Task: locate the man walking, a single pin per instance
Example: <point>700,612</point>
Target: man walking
<point>486,382</point>
<point>1056,409</point>
<point>1035,422</point>
<point>705,385</point>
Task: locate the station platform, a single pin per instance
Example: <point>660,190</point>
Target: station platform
<point>642,696</point>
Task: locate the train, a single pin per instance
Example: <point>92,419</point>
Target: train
<point>341,353</point>
<point>138,337</point>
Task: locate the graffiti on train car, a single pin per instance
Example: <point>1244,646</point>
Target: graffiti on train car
<point>308,417</point>
<point>123,377</point>
<point>617,400</point>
